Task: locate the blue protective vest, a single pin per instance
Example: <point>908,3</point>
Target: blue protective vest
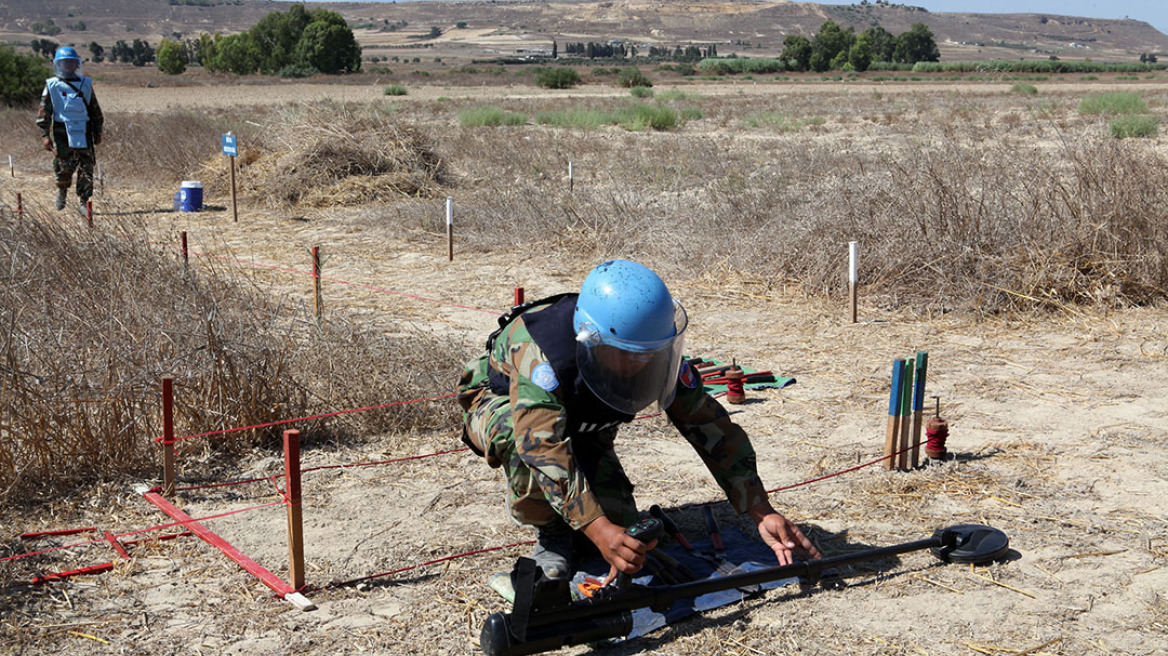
<point>71,107</point>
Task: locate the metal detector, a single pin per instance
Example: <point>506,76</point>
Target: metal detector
<point>545,617</point>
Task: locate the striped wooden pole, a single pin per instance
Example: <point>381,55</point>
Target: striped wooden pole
<point>905,412</point>
<point>853,276</point>
<point>919,406</point>
<point>317,298</point>
<point>449,229</point>
<point>168,436</point>
<point>890,438</point>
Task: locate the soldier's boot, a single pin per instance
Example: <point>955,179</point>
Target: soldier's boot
<point>62,196</point>
<point>553,550</point>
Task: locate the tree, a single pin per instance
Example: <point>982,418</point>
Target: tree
<point>121,52</point>
<point>22,77</point>
<point>96,52</point>
<point>172,57</point>
<point>328,45</point>
<point>916,45</point>
<point>883,43</point>
<point>277,35</point>
<point>141,53</point>
<point>860,54</point>
<point>555,50</point>
<point>435,32</point>
<point>829,44</point>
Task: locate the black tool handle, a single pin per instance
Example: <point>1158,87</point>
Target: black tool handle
<point>712,527</point>
<point>646,531</point>
<point>670,527</point>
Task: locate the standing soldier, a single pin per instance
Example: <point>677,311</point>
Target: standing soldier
<point>556,381</point>
<point>70,121</point>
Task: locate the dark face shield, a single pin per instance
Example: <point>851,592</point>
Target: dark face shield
<point>632,376</point>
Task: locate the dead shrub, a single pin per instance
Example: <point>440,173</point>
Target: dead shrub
<point>329,155</point>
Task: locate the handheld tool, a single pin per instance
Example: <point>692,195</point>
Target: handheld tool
<point>725,567</point>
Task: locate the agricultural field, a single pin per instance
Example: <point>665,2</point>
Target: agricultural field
<point>1003,225</point>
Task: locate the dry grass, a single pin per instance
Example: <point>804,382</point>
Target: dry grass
<point>92,320</point>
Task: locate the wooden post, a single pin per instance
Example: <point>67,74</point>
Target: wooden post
<point>234,209</point>
<point>571,180</point>
<point>185,253</point>
<point>11,166</point>
<point>19,205</point>
<point>905,412</point>
<point>518,296</point>
<point>919,406</point>
<point>168,436</point>
<point>317,299</point>
<point>450,228</point>
<point>893,414</point>
<point>295,516</point>
<point>89,212</point>
<point>853,277</point>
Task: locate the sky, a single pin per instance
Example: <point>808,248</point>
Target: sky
<point>1154,12</point>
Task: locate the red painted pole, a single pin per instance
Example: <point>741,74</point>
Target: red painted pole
<point>185,252</point>
<point>168,436</point>
<point>518,296</point>
<point>19,205</point>
<point>295,516</point>
<point>89,212</point>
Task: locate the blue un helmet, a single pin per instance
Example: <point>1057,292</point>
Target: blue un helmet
<point>67,63</point>
<point>629,336</point>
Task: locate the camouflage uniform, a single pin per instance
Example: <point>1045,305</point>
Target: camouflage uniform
<point>66,160</point>
<point>556,446</point>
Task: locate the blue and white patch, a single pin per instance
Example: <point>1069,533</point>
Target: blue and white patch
<point>545,377</point>
<point>687,376</point>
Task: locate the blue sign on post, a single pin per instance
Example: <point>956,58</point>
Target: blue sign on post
<point>229,147</point>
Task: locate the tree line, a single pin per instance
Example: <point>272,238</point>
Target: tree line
<point>834,48</point>
<point>620,50</point>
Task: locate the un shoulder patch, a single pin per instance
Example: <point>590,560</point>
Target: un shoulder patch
<point>545,377</point>
<point>687,375</point>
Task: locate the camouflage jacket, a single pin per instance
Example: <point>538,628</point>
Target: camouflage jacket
<point>546,422</point>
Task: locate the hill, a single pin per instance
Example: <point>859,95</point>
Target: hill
<point>477,28</point>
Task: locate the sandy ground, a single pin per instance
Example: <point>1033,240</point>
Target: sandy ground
<point>1058,426</point>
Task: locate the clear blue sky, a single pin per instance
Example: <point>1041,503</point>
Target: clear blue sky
<point>1154,12</point>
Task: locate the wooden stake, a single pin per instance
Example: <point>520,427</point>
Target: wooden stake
<point>853,276</point>
<point>185,253</point>
<point>450,228</point>
<point>168,436</point>
<point>318,300</point>
<point>571,180</point>
<point>295,518</point>
<point>89,212</point>
<point>919,406</point>
<point>11,166</point>
<point>19,205</point>
<point>893,414</point>
<point>518,296</point>
<point>234,209</point>
<point>905,411</point>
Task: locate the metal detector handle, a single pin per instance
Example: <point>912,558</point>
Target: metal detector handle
<point>646,531</point>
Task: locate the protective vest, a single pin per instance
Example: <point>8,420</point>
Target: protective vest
<point>551,330</point>
<point>71,107</point>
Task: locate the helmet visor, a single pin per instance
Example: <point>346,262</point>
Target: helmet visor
<point>67,68</point>
<point>632,376</point>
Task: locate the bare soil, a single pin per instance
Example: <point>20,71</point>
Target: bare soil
<point>1057,432</point>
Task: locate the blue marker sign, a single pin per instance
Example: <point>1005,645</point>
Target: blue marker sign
<point>229,147</point>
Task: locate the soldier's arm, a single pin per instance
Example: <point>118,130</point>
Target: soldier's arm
<point>45,114</point>
<point>96,118</point>
<point>722,445</point>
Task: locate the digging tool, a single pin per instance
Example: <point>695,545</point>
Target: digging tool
<point>725,567</point>
<point>544,616</point>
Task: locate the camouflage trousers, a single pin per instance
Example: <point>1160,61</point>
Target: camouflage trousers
<point>79,160</point>
<point>490,430</point>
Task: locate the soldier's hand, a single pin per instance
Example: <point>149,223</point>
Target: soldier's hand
<point>623,552</point>
<point>48,144</point>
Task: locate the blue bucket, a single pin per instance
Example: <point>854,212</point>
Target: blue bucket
<point>191,196</point>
